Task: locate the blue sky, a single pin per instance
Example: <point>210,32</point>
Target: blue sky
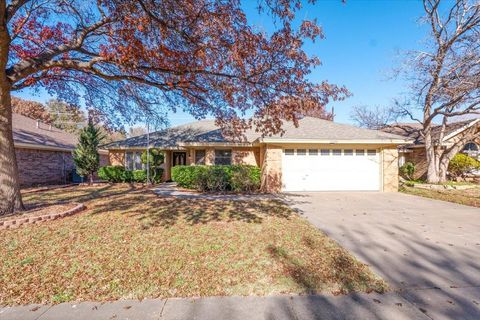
<point>364,41</point>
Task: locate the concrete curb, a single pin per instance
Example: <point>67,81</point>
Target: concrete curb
<point>15,223</point>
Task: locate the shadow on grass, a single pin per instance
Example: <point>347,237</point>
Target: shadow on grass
<point>338,269</point>
<point>84,194</point>
<point>153,210</point>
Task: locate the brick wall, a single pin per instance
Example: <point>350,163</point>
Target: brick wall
<point>390,169</point>
<point>104,160</point>
<point>419,158</point>
<point>249,156</point>
<point>116,157</point>
<point>37,167</point>
<point>272,168</point>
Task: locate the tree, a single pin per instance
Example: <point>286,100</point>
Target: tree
<point>372,118</point>
<point>445,79</point>
<point>66,116</point>
<point>462,164</point>
<point>111,136</point>
<point>154,158</point>
<point>85,155</point>
<point>132,59</point>
<point>32,109</point>
<point>136,131</point>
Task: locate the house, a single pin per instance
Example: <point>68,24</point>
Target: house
<point>44,153</point>
<point>415,151</point>
<point>319,155</point>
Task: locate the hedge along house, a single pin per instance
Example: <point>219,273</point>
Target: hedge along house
<point>414,151</point>
<point>44,153</point>
<point>319,155</point>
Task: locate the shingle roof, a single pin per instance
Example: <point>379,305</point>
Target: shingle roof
<point>318,129</point>
<point>412,130</point>
<point>205,131</point>
<point>26,131</point>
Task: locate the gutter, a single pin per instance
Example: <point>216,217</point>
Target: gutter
<point>330,141</point>
<point>41,147</point>
<point>49,148</point>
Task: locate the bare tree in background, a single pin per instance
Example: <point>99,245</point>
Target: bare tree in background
<point>372,118</point>
<point>136,131</point>
<point>445,78</point>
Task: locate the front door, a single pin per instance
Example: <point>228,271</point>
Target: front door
<point>179,158</point>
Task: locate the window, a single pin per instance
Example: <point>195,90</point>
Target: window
<point>470,147</point>
<point>360,152</point>
<point>313,152</point>
<point>348,152</point>
<point>324,152</point>
<point>301,152</point>
<point>133,161</point>
<point>289,152</point>
<point>223,157</point>
<point>371,152</point>
<point>337,152</point>
<point>138,161</point>
<point>199,156</point>
<point>129,160</point>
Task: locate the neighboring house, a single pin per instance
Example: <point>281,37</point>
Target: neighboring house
<point>319,155</point>
<point>44,153</point>
<point>415,152</point>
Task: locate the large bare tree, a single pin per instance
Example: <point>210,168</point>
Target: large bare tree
<point>132,59</point>
<point>445,78</point>
<point>372,118</point>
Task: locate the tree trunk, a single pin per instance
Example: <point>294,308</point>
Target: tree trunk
<point>442,176</point>
<point>10,196</point>
<point>90,181</point>
<point>432,159</point>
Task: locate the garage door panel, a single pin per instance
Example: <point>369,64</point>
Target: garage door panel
<point>330,172</point>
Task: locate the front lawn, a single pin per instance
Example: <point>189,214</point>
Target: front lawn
<point>131,243</point>
<point>469,197</point>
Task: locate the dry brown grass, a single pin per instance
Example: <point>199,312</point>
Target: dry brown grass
<point>130,243</point>
<point>469,197</point>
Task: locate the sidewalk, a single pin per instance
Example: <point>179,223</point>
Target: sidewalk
<point>389,306</point>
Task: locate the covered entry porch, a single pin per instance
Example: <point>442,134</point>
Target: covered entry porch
<point>189,155</point>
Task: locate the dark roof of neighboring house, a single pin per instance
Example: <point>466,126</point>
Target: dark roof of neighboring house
<point>27,131</point>
<point>205,131</point>
<point>412,130</point>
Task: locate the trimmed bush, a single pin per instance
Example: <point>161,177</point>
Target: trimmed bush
<point>245,178</point>
<point>111,173</point>
<point>119,174</point>
<point>185,176</point>
<point>462,164</point>
<point>240,178</point>
<point>407,171</point>
<point>139,175</point>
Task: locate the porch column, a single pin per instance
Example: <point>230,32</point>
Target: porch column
<point>209,156</point>
<point>167,173</point>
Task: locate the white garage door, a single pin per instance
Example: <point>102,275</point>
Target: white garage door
<point>330,170</point>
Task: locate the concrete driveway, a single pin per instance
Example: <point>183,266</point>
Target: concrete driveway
<point>426,249</point>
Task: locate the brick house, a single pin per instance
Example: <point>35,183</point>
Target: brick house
<point>415,152</point>
<point>44,153</point>
<point>318,155</point>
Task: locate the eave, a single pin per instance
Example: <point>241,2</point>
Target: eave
<point>334,141</point>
